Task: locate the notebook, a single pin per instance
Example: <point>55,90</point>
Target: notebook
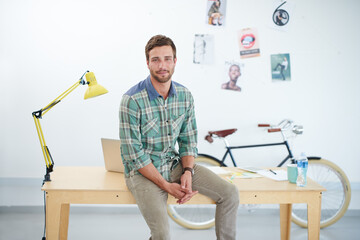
<point>112,155</point>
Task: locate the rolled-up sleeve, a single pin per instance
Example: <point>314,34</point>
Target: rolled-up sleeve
<point>188,133</point>
<point>132,152</point>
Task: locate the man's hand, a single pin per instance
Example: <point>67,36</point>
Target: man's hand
<point>187,197</point>
<point>186,186</point>
<point>151,173</point>
<point>186,182</point>
<point>175,190</point>
<point>183,192</point>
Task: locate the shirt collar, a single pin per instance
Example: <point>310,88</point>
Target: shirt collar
<point>153,94</point>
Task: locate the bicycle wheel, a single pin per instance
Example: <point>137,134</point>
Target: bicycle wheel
<point>199,216</point>
<point>335,200</point>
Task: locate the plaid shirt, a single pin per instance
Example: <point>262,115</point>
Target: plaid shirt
<point>150,127</point>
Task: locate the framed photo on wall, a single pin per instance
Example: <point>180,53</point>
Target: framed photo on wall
<point>203,49</point>
<point>248,40</point>
<point>281,15</point>
<point>216,13</point>
<point>232,76</point>
<point>280,67</point>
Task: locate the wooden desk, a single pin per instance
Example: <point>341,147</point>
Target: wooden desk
<point>94,185</point>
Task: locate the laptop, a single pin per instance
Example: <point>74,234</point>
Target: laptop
<point>112,155</point>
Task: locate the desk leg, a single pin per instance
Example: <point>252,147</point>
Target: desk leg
<point>64,221</point>
<point>285,221</point>
<point>57,218</point>
<point>314,214</point>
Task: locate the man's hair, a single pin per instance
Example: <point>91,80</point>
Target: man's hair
<point>159,41</point>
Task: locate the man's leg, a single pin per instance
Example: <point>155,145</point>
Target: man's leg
<point>152,204</point>
<point>278,65</point>
<point>225,195</point>
<point>282,72</point>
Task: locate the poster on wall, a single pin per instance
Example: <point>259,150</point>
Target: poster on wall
<point>248,43</point>
<point>232,75</point>
<point>282,12</point>
<point>216,12</point>
<point>280,67</point>
<point>203,49</point>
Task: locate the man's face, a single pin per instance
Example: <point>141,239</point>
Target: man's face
<point>234,73</point>
<point>161,63</point>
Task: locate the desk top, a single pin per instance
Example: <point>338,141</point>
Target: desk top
<point>98,179</point>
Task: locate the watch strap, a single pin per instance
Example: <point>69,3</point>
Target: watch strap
<point>191,170</point>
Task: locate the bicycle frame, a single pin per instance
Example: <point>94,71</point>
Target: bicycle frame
<point>284,125</point>
<point>229,148</point>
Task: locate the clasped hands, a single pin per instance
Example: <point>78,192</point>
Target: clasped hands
<point>183,191</point>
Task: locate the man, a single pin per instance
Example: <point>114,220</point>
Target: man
<point>234,74</point>
<point>154,115</point>
<point>283,66</point>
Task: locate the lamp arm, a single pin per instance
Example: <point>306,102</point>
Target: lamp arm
<point>45,109</point>
<point>59,98</point>
<point>37,115</point>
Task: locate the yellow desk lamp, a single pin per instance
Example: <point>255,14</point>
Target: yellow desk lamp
<point>93,90</point>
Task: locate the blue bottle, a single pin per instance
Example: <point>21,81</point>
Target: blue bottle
<point>302,166</point>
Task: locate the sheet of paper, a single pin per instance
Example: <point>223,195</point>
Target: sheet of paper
<point>241,175</point>
<point>218,170</point>
<point>245,175</point>
<point>249,175</point>
<point>250,168</point>
<point>281,175</point>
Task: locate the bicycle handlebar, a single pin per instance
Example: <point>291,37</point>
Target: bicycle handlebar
<point>270,130</point>
<point>283,125</point>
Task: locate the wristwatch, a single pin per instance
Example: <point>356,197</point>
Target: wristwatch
<point>190,170</point>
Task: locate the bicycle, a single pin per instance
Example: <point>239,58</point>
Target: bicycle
<point>335,200</point>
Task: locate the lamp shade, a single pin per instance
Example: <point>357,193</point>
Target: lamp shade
<point>94,88</point>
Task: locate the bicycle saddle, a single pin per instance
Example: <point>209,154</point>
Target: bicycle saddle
<point>220,133</point>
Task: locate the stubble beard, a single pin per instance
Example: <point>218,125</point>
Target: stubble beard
<point>161,79</point>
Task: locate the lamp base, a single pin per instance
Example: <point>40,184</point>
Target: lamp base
<point>48,171</point>
<point>47,177</point>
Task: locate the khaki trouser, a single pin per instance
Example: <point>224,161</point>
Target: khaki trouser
<point>152,201</point>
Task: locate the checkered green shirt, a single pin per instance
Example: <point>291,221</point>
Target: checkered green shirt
<point>150,127</point>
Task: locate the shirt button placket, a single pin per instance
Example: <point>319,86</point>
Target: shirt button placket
<point>168,126</point>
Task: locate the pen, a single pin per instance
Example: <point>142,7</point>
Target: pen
<point>272,171</point>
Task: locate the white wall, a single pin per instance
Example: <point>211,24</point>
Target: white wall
<point>45,46</point>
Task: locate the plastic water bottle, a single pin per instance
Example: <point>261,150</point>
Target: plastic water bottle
<point>302,166</point>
